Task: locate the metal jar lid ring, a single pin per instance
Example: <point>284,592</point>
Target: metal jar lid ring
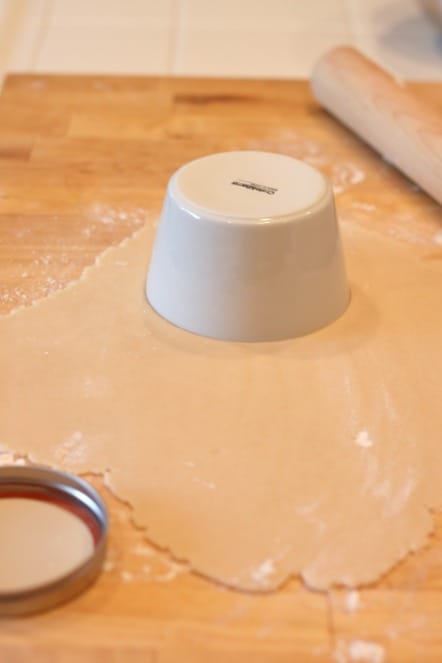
<point>74,496</point>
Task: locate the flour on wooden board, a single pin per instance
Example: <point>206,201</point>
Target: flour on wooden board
<point>288,142</point>
<point>43,274</point>
<point>352,601</point>
<point>365,207</point>
<point>100,214</point>
<point>358,651</point>
<point>345,175</point>
<point>161,570</point>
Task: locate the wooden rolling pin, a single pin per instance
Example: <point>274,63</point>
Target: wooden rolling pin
<point>382,112</point>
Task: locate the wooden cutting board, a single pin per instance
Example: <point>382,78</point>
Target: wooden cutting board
<point>83,162</point>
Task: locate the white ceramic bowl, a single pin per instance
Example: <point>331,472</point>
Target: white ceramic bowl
<point>248,249</point>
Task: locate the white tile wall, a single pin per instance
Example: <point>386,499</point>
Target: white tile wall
<point>64,12</point>
<point>103,49</point>
<point>21,26</point>
<point>250,52</point>
<point>260,14</point>
<point>256,38</point>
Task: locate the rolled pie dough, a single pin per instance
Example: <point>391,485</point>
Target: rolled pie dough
<point>319,456</point>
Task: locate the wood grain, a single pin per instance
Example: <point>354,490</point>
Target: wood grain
<point>83,162</point>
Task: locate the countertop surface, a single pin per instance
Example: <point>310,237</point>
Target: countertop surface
<point>84,161</point>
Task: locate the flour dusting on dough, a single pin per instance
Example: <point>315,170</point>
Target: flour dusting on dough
<point>394,497</point>
<point>262,573</point>
<point>271,480</point>
<point>72,451</point>
<point>307,511</point>
<point>363,439</point>
<point>10,457</point>
<point>96,387</point>
<point>203,482</point>
<point>399,499</point>
<point>308,508</point>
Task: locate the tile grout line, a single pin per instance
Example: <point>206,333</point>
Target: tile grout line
<point>174,37</point>
<point>10,26</point>
<point>41,35</point>
<point>351,25</point>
